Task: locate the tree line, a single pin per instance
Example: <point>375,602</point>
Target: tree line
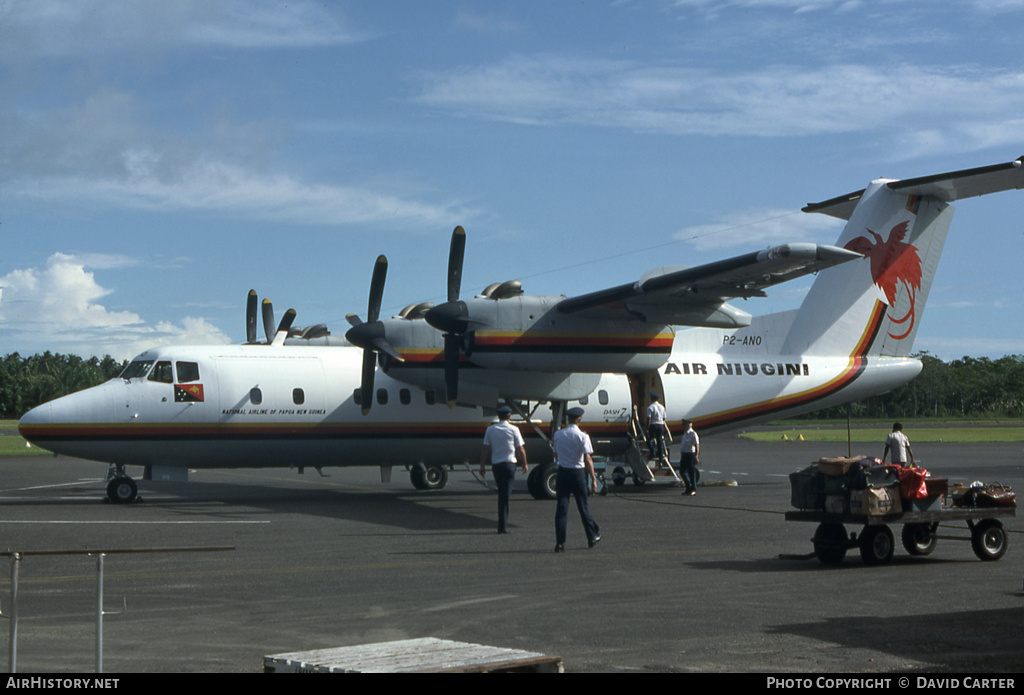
<point>25,382</point>
<point>964,388</point>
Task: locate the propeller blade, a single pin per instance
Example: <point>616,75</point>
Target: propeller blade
<point>251,306</point>
<point>284,327</point>
<point>268,320</point>
<point>366,385</point>
<point>380,272</point>
<point>353,320</point>
<point>451,368</point>
<point>456,252</point>
<point>384,346</point>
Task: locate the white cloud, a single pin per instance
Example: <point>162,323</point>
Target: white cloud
<point>963,106</point>
<point>99,154</point>
<point>761,228</point>
<point>60,306</point>
<point>61,28</point>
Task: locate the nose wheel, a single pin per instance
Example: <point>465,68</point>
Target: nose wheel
<point>122,489</point>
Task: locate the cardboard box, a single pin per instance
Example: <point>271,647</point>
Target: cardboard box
<point>876,501</point>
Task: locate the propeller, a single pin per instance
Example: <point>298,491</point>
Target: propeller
<point>270,330</point>
<point>370,335</point>
<point>452,317</point>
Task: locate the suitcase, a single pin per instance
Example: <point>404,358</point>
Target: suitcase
<point>807,491</point>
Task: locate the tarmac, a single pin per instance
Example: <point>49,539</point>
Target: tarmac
<point>715,583</point>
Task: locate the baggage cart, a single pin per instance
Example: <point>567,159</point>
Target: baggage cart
<point>919,535</point>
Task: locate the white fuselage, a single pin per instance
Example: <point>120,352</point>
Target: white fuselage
<point>264,406</point>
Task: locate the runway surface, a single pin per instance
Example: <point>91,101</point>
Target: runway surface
<point>719,582</point>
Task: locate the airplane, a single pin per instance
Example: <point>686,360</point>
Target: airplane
<point>418,389</point>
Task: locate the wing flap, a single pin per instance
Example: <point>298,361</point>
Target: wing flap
<point>696,296</point>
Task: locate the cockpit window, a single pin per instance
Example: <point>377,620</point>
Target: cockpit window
<point>136,369</point>
<point>187,371</point>
<point>162,373</point>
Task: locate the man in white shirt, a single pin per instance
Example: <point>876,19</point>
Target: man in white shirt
<point>689,457</point>
<point>900,446</point>
<point>503,443</point>
<point>656,428</point>
<point>573,451</point>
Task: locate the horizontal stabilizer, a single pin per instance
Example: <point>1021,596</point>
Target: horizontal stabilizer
<point>948,187</point>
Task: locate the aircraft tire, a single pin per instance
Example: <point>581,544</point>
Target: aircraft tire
<point>541,481</point>
<point>428,478</point>
<point>122,490</point>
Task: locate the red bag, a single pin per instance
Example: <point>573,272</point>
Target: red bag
<point>912,485</point>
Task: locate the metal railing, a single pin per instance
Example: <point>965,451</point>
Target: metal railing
<point>99,554</point>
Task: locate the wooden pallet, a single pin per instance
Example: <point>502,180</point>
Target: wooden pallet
<point>425,655</point>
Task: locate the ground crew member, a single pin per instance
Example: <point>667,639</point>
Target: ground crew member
<point>656,427</point>
<point>689,457</point>
<point>900,446</point>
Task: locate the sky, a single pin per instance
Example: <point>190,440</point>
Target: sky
<point>158,160</point>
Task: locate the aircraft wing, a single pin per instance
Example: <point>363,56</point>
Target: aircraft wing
<point>951,186</point>
<point>696,296</point>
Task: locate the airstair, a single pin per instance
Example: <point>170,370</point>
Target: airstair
<point>644,468</point>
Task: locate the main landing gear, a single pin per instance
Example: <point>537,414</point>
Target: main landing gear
<point>428,477</point>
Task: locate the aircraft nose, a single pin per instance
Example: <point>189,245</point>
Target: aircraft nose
<point>31,421</point>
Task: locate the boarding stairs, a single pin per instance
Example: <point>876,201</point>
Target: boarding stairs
<point>646,469</point>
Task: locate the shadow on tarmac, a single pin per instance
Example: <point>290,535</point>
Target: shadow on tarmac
<point>957,641</point>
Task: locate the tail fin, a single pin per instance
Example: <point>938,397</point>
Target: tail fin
<point>874,306</point>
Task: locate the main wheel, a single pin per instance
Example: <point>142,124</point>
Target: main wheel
<point>919,539</point>
<point>988,539</point>
<point>428,478</point>
<point>830,543</point>
<point>541,481</point>
<point>122,490</point>
<point>876,545</point>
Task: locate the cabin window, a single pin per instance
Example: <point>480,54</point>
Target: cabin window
<point>430,397</point>
<point>298,397</point>
<point>256,396</point>
<point>585,400</point>
<point>136,369</point>
<point>187,371</point>
<point>382,396</point>
<point>405,396</point>
<point>162,373</point>
<point>357,396</point>
<point>602,397</point>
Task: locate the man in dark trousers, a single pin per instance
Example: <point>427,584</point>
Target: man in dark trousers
<point>573,451</point>
<point>503,448</point>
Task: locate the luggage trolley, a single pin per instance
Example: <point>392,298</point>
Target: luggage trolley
<point>919,535</point>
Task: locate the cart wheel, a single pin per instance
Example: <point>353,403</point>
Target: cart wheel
<point>830,543</point>
<point>919,539</point>
<point>876,545</point>
<point>988,539</point>
<point>619,476</point>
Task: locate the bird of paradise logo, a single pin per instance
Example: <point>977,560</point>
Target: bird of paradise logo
<point>894,263</point>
